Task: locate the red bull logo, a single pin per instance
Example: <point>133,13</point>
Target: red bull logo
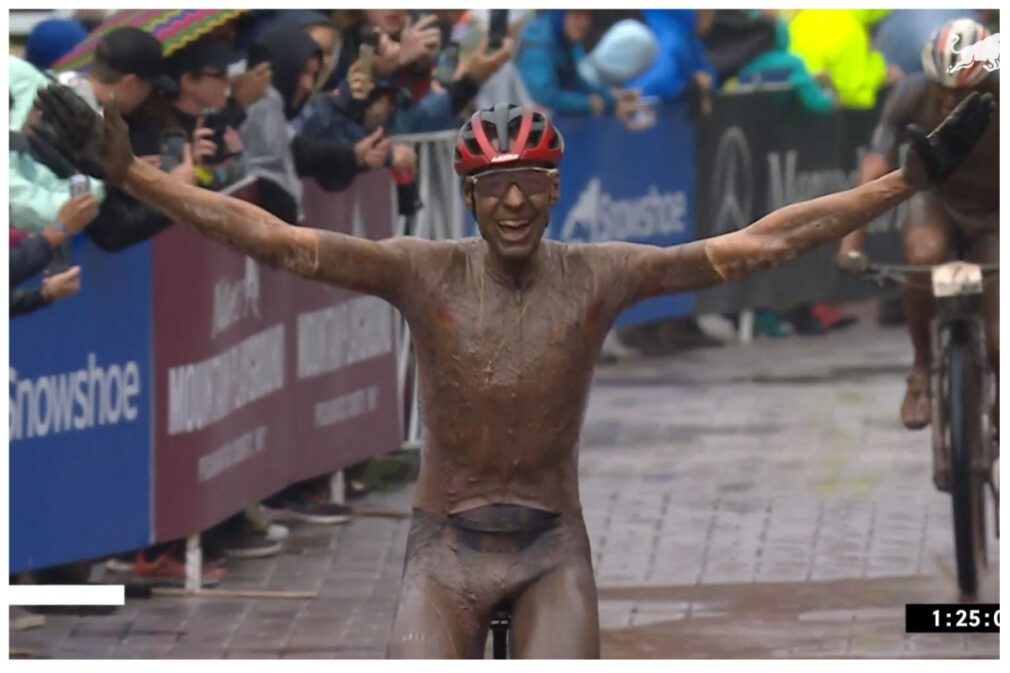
<point>984,52</point>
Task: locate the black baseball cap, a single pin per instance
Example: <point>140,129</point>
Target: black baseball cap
<point>132,51</point>
<point>198,56</point>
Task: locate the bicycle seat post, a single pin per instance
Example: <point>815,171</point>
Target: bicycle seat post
<point>500,620</point>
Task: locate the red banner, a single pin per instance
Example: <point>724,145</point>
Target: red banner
<point>263,378</point>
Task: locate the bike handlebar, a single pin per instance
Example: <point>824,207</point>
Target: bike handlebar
<point>898,273</point>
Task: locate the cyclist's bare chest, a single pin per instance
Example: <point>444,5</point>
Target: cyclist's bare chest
<point>511,335</point>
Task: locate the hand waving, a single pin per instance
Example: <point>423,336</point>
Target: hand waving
<point>97,146</point>
<point>932,158</point>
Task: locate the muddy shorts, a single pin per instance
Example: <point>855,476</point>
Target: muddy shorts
<point>459,568</point>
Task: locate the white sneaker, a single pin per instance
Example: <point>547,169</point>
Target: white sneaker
<point>717,327</point>
<point>277,533</point>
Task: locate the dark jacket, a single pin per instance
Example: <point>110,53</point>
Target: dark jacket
<point>332,164</point>
<point>29,257</point>
<point>122,220</point>
<point>737,37</point>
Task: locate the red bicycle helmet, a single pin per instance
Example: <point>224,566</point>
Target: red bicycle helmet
<point>523,134</point>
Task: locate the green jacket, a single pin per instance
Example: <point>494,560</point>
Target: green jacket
<point>36,193</point>
<point>806,87</point>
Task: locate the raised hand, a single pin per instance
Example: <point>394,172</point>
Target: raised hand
<point>932,158</point>
<point>359,81</point>
<point>185,171</point>
<point>372,150</point>
<point>252,85</point>
<point>421,39</point>
<point>481,65</point>
<point>60,285</point>
<point>204,149</point>
<point>97,146</point>
<point>78,212</point>
<point>404,159</point>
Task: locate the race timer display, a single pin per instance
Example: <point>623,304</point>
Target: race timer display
<point>952,618</point>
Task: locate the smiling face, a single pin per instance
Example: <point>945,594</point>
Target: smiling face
<point>512,207</point>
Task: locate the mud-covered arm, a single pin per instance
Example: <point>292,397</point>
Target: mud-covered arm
<point>899,110</point>
<point>790,231</point>
<point>101,146</point>
<point>773,240</point>
<point>338,259</point>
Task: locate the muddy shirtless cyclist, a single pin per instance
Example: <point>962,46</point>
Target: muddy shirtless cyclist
<point>506,328</point>
<point>968,201</point>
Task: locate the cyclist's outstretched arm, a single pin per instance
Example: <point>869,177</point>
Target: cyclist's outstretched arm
<point>790,231</point>
<point>773,240</point>
<point>908,96</point>
<point>101,147</point>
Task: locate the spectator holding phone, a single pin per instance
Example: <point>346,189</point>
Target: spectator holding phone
<point>38,176</point>
<point>366,91</point>
<point>31,253</point>
<point>277,153</point>
<point>215,148</point>
<point>129,66</point>
<point>550,50</point>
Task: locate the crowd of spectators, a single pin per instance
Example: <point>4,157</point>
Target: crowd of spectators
<point>283,96</point>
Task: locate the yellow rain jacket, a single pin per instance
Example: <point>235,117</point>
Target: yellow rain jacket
<point>837,42</point>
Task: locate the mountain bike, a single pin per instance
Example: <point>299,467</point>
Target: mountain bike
<point>962,393</point>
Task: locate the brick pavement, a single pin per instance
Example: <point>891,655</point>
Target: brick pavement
<point>747,501</point>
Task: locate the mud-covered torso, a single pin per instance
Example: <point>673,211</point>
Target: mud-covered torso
<point>505,373</point>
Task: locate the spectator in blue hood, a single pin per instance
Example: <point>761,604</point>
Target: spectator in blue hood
<point>550,49</point>
<point>681,67</point>
<point>51,40</point>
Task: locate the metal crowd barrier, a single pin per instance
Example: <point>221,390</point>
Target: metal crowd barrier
<point>441,217</point>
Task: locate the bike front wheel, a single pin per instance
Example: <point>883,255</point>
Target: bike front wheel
<point>966,484</point>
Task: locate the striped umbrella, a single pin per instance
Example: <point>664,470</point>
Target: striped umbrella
<point>174,28</point>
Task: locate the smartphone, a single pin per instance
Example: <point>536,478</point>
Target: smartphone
<point>448,61</point>
<point>213,120</point>
<point>445,28</point>
<point>366,52</point>
<point>78,185</point>
<point>498,28</point>
<point>171,149</point>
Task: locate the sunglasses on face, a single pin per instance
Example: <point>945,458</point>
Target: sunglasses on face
<point>216,74</point>
<point>529,180</point>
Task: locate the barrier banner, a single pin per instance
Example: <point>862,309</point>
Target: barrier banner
<point>263,378</point>
<point>618,185</point>
<point>80,420</point>
<point>761,151</point>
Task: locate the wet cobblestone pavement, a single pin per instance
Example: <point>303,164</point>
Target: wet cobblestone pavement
<point>746,501</point>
